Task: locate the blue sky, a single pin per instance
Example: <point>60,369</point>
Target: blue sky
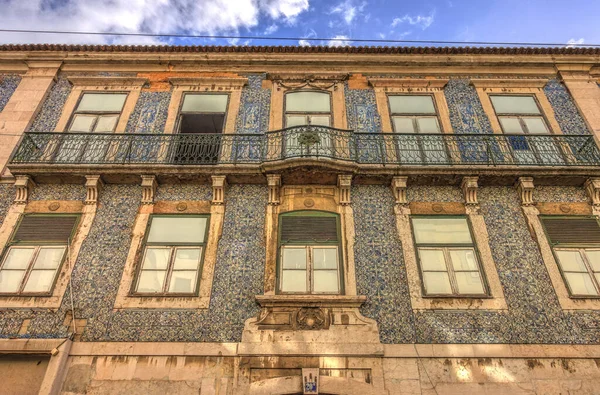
<point>546,21</point>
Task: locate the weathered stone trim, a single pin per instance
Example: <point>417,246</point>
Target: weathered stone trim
<point>509,83</point>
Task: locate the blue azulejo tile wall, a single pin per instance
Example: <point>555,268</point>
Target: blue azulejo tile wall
<point>255,102</point>
<point>466,112</point>
<point>150,113</point>
<point>361,110</point>
<point>565,111</point>
<point>8,85</point>
<point>47,119</point>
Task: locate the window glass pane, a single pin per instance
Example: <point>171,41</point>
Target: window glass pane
<point>49,258</point>
<point>187,258</point>
<point>594,259</point>
<point>294,258</point>
<point>432,260</point>
<point>403,125</point>
<point>307,102</point>
<point>39,281</point>
<point>296,120</point>
<point>106,123</point>
<point>157,258</point>
<point>571,261</point>
<point>177,230</point>
<point>469,283</point>
<point>436,283</point>
<point>18,258</point>
<point>580,284</point>
<point>319,121</point>
<point>109,102</point>
<point>151,281</point>
<point>441,230</point>
<point>82,123</point>
<point>463,260</point>
<point>293,281</point>
<point>412,104</point>
<point>514,104</point>
<point>183,281</point>
<point>511,125</point>
<point>204,103</point>
<point>10,280</point>
<point>428,125</point>
<point>326,281</point>
<point>325,258</point>
<point>536,125</point>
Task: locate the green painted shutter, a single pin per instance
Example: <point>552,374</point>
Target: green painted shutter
<point>308,229</point>
<point>45,228</point>
<point>572,230</point>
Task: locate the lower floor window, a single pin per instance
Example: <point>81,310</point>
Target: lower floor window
<point>310,269</point>
<point>581,269</point>
<point>30,269</point>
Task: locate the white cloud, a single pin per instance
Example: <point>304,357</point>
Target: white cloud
<point>303,43</point>
<point>271,29</point>
<point>420,20</point>
<point>573,43</point>
<point>132,16</point>
<point>339,41</point>
<point>348,10</point>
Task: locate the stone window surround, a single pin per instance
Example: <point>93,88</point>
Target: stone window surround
<point>321,198</point>
<point>130,85</point>
<point>532,214</point>
<point>518,87</point>
<point>232,86</point>
<point>125,300</point>
<point>87,212</point>
<point>495,300</point>
<point>283,83</point>
<point>418,86</point>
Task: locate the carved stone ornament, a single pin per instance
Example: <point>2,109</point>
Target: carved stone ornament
<point>274,183</point>
<point>149,185</point>
<point>93,186</point>
<point>310,318</point>
<point>525,188</point>
<point>399,189</point>
<point>218,185</point>
<point>344,184</point>
<point>182,206</point>
<point>592,187</point>
<point>54,206</point>
<point>469,188</point>
<point>23,185</point>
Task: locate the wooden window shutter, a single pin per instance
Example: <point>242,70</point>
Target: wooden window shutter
<point>572,230</point>
<point>45,228</point>
<point>308,229</point>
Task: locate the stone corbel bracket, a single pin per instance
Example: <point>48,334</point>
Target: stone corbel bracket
<point>218,186</point>
<point>525,187</point>
<point>274,183</point>
<point>592,187</point>
<point>344,184</point>
<point>149,185</point>
<point>93,186</point>
<point>469,187</point>
<point>24,186</point>
<point>399,189</point>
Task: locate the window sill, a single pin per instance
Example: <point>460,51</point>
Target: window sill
<point>343,301</point>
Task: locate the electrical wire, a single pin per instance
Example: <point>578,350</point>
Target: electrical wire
<point>334,39</point>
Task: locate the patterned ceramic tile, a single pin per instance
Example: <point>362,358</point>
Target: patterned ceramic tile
<point>565,111</point>
<point>8,85</point>
<point>253,116</point>
<point>361,110</point>
<point>183,192</point>
<point>51,111</point>
<point>466,112</point>
<point>7,195</point>
<point>150,113</point>
<point>559,194</point>
<point>419,193</point>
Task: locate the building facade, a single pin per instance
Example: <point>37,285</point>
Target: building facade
<point>282,220</point>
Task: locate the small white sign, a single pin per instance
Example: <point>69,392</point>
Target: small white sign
<point>310,380</point>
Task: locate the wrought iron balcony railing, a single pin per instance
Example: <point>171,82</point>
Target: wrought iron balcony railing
<point>308,142</point>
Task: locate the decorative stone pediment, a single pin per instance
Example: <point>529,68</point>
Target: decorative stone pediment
<point>301,80</point>
<point>386,82</point>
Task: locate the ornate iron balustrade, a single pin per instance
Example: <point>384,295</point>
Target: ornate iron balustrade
<point>308,142</point>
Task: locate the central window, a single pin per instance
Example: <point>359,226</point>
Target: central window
<point>447,257</point>
<point>173,252</point>
<point>309,258</point>
<point>307,108</point>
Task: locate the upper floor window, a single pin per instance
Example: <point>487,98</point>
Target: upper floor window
<point>447,257</point>
<point>35,253</point>
<point>309,258</point>
<point>413,114</point>
<point>97,112</point>
<point>519,114</point>
<point>307,108</point>
<point>576,245</point>
<point>172,257</point>
<point>203,113</point>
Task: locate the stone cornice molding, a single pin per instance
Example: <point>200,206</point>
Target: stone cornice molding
<point>509,83</point>
<point>225,82</point>
<point>381,82</point>
<point>348,301</point>
<point>108,81</point>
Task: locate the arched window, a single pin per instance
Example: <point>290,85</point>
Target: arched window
<point>309,253</point>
